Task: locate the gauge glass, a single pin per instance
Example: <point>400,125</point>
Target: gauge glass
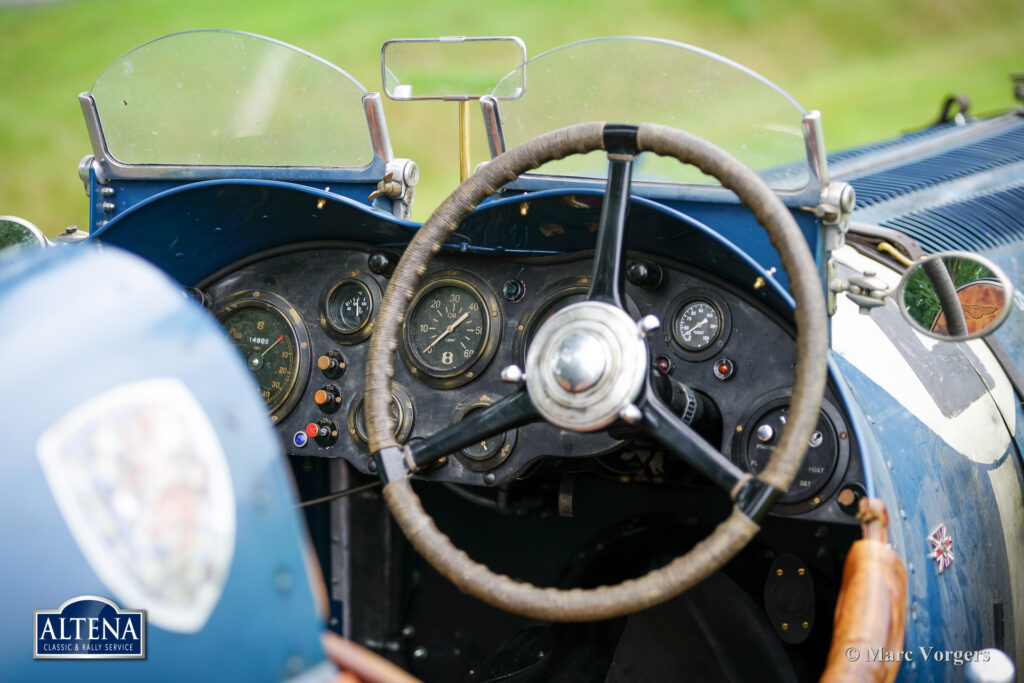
<point>484,448</point>
<point>698,325</point>
<point>349,306</point>
<point>447,330</point>
<point>359,419</point>
<point>266,341</point>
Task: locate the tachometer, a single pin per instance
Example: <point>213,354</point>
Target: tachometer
<point>270,335</point>
<point>451,330</point>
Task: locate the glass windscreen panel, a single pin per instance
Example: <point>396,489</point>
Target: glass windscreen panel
<point>643,80</point>
<point>225,98</point>
<point>455,68</point>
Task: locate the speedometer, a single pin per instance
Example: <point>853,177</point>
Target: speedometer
<point>271,338</point>
<point>451,330</point>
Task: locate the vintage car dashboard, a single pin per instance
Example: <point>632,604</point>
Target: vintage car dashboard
<point>301,315</point>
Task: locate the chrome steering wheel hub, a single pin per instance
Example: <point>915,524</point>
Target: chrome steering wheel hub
<point>585,365</point>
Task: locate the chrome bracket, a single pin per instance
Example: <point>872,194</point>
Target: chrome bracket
<point>837,202</point>
<point>398,185</point>
<point>865,289</point>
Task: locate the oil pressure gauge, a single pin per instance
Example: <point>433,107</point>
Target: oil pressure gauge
<point>451,330</point>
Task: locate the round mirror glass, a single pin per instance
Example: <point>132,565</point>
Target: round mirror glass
<point>19,233</point>
<point>955,296</point>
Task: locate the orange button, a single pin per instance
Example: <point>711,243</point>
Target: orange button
<point>320,397</point>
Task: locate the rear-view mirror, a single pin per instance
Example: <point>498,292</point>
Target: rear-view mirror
<point>955,296</point>
<point>450,68</point>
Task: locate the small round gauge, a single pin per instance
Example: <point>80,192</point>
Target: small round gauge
<point>448,330</point>
<point>698,325</point>
<point>273,348</point>
<point>347,308</point>
<point>488,453</point>
<point>401,415</point>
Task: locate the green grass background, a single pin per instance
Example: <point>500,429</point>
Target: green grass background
<point>873,68</point>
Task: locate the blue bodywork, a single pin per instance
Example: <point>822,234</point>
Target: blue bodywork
<point>126,322</point>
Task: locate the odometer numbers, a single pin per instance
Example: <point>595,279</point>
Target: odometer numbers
<point>450,330</point>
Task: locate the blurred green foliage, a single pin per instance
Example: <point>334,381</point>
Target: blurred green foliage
<point>873,68</point>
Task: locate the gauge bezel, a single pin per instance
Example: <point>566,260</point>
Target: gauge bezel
<point>813,499</point>
<point>493,323</point>
<point>363,332</point>
<point>508,443</point>
<point>406,416</point>
<point>300,336</point>
<point>677,307</point>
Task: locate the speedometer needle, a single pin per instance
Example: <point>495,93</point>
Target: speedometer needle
<point>447,331</point>
<point>272,346</point>
<point>685,334</point>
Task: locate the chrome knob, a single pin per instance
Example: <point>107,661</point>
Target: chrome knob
<point>579,362</point>
<point>765,433</point>
<point>512,374</point>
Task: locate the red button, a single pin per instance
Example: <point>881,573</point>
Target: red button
<point>312,430</point>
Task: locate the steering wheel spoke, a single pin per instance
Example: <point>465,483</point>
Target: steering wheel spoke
<point>680,439</point>
<point>510,412</point>
<point>608,278</point>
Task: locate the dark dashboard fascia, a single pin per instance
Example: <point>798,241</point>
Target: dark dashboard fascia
<point>760,345</point>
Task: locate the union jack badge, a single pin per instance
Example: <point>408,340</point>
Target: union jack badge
<point>942,548</point>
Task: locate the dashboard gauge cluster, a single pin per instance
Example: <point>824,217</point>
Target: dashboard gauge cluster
<point>271,337</point>
<point>301,318</point>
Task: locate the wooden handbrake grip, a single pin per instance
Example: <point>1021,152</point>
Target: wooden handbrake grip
<point>870,613</point>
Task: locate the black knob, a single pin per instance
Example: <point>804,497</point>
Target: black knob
<point>644,274</point>
<point>332,364</point>
<point>382,263</point>
<point>328,398</point>
<point>324,432</point>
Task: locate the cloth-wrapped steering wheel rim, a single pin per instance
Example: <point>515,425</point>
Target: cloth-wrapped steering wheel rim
<point>729,536</point>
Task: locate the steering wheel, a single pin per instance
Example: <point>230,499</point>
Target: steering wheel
<point>589,366</point>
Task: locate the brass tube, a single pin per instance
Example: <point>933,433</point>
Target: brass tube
<point>463,140</point>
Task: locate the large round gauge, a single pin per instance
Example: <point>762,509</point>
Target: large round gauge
<point>451,329</point>
<point>700,324</point>
<point>348,306</point>
<point>270,335</point>
<point>401,415</point>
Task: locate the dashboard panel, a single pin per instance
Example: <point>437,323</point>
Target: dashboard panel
<point>301,317</point>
